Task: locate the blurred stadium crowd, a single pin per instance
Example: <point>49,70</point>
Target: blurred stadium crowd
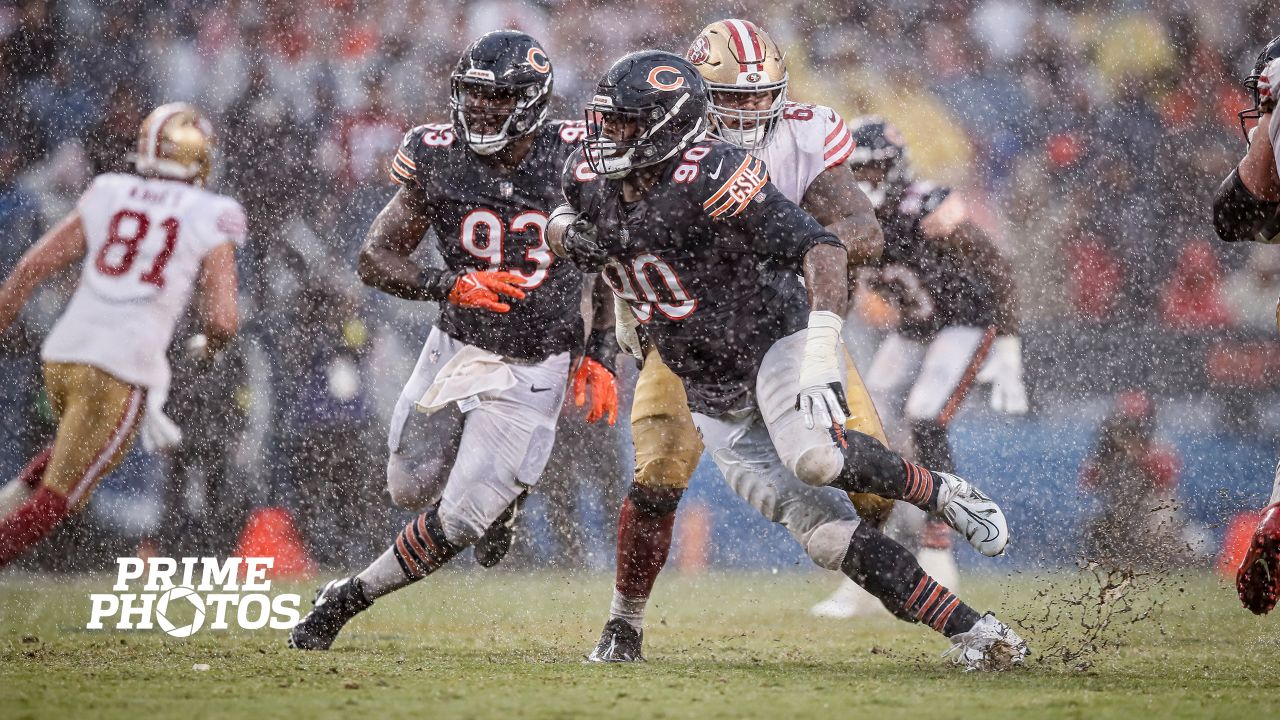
<point>1088,136</point>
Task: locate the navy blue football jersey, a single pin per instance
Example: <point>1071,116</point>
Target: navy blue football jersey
<point>709,261</point>
<point>931,285</point>
<point>487,220</point>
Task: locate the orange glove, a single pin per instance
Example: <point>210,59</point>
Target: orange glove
<point>604,390</point>
<point>480,289</point>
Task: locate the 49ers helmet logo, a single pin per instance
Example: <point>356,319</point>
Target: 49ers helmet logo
<point>538,60</point>
<point>656,80</point>
<point>699,51</point>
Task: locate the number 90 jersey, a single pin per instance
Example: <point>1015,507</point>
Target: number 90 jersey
<point>486,220</point>
<point>145,240</point>
<point>708,260</point>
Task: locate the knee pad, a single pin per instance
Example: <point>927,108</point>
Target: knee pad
<point>819,465</point>
<point>405,491</point>
<point>654,502</point>
<point>462,525</point>
<point>828,544</point>
<point>667,451</point>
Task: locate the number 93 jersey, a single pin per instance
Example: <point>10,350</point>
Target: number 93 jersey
<point>145,239</point>
<point>708,260</point>
<point>487,220</point>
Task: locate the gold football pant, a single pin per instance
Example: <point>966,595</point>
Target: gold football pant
<point>668,446</point>
<point>98,417</point>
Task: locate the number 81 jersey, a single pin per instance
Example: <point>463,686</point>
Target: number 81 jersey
<point>487,220</point>
<point>145,239</point>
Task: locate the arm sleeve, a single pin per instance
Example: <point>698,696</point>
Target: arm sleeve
<point>839,141</point>
<point>572,176</point>
<point>404,164</point>
<point>1238,215</point>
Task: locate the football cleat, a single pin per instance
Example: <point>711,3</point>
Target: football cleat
<point>496,541</point>
<point>620,642</point>
<point>335,604</point>
<point>972,514</point>
<point>989,646</point>
<point>1258,578</point>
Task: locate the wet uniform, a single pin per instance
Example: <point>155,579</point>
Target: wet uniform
<point>709,261</point>
<point>489,221</point>
<point>475,423</point>
<point>947,314</point>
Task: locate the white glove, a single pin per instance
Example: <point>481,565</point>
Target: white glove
<point>1003,370</point>
<point>821,397</point>
<point>158,432</point>
<point>624,327</point>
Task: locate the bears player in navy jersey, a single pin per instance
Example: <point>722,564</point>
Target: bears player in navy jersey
<point>957,326</point>
<point>475,423</point>
<point>708,256</point>
<point>1247,208</point>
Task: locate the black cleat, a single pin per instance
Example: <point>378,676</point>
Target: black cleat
<point>619,643</point>
<point>496,541</point>
<point>335,604</point>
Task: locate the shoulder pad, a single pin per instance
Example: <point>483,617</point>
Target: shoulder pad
<point>570,132</point>
<point>724,177</point>
<point>416,144</point>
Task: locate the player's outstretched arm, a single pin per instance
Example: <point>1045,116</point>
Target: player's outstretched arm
<point>58,248</point>
<point>385,262</point>
<point>219,311</point>
<point>834,199</point>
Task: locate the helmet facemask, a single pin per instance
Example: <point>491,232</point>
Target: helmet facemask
<point>746,128</point>
<point>620,140</point>
<point>489,116</point>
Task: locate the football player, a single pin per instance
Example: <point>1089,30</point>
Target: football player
<point>144,242</point>
<point>475,423</point>
<point>957,326</point>
<point>1247,207</point>
<point>709,257</point>
<point>804,147</point>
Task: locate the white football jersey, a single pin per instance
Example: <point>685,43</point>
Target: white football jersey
<point>807,140</point>
<point>145,241</point>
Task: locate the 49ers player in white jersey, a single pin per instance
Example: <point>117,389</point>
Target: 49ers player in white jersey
<point>804,148</point>
<point>146,241</point>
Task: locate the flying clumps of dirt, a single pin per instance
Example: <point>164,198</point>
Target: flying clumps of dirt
<point>1078,617</point>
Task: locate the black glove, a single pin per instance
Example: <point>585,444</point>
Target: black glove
<point>582,247</point>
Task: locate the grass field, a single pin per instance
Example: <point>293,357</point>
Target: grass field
<point>471,645</point>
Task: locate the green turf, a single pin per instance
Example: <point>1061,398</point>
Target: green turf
<point>466,645</point>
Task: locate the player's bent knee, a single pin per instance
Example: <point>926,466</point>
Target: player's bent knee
<point>404,487</point>
<point>818,466</point>
<point>653,501</point>
<point>462,526</point>
<point>828,543</point>
<point>665,473</point>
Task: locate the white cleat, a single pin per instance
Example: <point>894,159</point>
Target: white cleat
<point>989,646</point>
<point>971,513</point>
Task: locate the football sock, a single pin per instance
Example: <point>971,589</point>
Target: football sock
<point>870,467</point>
<point>644,541</point>
<point>30,522</point>
<point>933,448</point>
<point>890,573</point>
<point>419,550</point>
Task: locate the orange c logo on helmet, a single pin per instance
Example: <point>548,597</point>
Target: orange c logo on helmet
<point>655,81</point>
<point>538,60</point>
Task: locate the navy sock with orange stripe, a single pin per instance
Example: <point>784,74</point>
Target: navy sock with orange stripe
<point>420,549</point>
<point>870,467</point>
<point>889,572</point>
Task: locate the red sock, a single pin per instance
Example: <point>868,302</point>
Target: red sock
<point>25,526</point>
<point>644,541</point>
<point>33,473</point>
